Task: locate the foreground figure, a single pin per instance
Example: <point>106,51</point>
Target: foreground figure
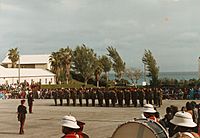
<point>183,125</point>
<point>69,127</point>
<point>21,110</point>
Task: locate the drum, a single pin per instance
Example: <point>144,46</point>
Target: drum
<point>140,128</point>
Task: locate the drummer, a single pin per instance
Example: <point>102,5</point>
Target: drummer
<point>149,112</point>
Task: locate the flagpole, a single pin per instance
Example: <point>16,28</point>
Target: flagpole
<point>19,70</point>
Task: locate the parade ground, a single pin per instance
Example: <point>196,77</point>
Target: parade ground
<point>45,121</point>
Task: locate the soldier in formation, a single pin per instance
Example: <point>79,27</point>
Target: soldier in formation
<point>109,96</point>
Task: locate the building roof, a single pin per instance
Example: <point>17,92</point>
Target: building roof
<point>30,59</point>
<point>24,72</point>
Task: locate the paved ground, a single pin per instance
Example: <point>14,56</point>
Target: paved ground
<point>45,120</point>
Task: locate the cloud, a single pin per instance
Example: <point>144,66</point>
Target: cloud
<point>188,37</point>
<point>9,7</point>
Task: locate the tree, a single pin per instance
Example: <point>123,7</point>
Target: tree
<point>66,59</point>
<point>84,61</point>
<point>151,65</point>
<point>98,71</point>
<point>106,65</point>
<point>118,64</point>
<point>134,74</point>
<point>55,64</point>
<point>13,55</point>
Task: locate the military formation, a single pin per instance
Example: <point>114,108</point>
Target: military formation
<point>105,97</point>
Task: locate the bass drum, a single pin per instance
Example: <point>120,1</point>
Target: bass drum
<point>140,128</point>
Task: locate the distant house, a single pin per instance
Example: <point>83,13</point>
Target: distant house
<point>33,68</point>
<point>12,75</point>
<point>29,61</point>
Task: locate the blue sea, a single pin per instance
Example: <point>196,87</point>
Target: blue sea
<point>168,75</point>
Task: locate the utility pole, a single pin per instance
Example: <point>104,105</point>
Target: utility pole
<point>199,67</point>
<point>19,70</point>
<point>144,73</point>
<point>144,76</point>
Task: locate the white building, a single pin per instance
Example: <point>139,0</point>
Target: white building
<point>12,75</point>
<point>30,61</point>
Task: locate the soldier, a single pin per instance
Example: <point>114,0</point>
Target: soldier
<point>141,97</point>
<point>127,96</point>
<point>93,96</point>
<point>120,97</point>
<point>60,95</point>
<point>73,96</point>
<point>155,96</point>
<point>67,96</point>
<point>113,97</point>
<point>100,97</point>
<point>150,96</point>
<point>107,97</point>
<point>134,96</point>
<point>30,101</point>
<point>80,96</point>
<point>160,95</point>
<point>146,91</point>
<point>21,110</point>
<point>55,96</point>
<point>86,95</point>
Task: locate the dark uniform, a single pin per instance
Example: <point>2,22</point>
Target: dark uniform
<point>21,110</point>
<point>55,96</point>
<point>86,95</point>
<point>93,96</point>
<point>159,95</point>
<point>150,96</point>
<point>30,101</point>
<point>155,96</point>
<point>113,98</point>
<point>61,95</point>
<point>67,96</point>
<point>127,97</point>
<point>73,96</point>
<point>146,91</point>
<point>120,97</point>
<point>141,97</point>
<point>80,96</point>
<point>100,97</point>
<point>134,97</point>
<point>107,98</point>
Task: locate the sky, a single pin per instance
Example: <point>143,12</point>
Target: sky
<point>170,29</point>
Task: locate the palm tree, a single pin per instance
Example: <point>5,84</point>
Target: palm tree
<point>55,64</point>
<point>118,64</point>
<point>106,64</point>
<point>66,58</point>
<point>98,71</point>
<point>13,55</point>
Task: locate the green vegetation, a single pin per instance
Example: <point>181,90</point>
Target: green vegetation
<point>13,55</point>
<point>152,68</point>
<point>85,62</point>
<point>118,64</point>
<point>71,84</point>
<point>61,64</point>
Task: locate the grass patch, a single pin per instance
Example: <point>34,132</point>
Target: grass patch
<point>72,84</point>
